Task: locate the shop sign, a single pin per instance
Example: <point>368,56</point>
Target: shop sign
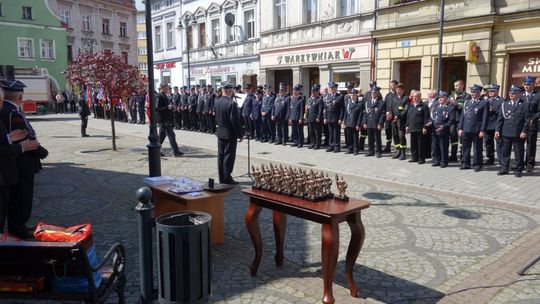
<point>531,66</point>
<point>166,65</point>
<point>211,70</point>
<point>334,55</point>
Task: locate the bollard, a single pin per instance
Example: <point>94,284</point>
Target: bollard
<point>146,225</point>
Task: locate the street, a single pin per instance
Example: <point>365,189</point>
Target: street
<point>429,231</point>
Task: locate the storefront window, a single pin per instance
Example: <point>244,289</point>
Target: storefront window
<point>521,65</point>
<point>215,81</point>
<point>342,78</point>
<point>202,82</point>
<point>231,78</point>
<point>166,77</point>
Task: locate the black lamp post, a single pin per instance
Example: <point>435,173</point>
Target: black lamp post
<point>187,22</point>
<point>439,57</point>
<point>154,148</point>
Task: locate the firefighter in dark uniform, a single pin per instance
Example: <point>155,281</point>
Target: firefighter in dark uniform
<point>416,125</point>
<point>186,118</point>
<point>363,131</point>
<point>512,127</point>
<point>398,115</point>
<point>533,100</point>
<point>229,130</point>
<point>84,112</point>
<point>247,107</point>
<point>472,128</point>
<point>255,116</point>
<point>388,100</point>
<point>296,117</point>
<point>373,121</point>
<point>333,116</point>
<point>442,118</point>
<point>268,126</point>
<point>177,102</point>
<point>28,163</point>
<point>352,121</point>
<point>280,115</point>
<point>165,117</point>
<point>200,109</point>
<point>314,114</point>
<point>457,98</point>
<point>209,109</point>
<point>192,108</point>
<point>491,144</point>
<point>346,98</point>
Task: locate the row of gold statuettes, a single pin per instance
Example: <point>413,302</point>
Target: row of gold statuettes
<point>312,186</point>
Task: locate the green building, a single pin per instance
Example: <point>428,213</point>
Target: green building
<point>33,40</point>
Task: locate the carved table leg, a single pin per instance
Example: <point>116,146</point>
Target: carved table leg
<point>330,246</point>
<point>252,224</point>
<point>357,239</point>
<point>280,224</point>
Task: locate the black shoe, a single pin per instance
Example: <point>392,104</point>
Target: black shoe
<point>370,154</point>
<point>397,155</point>
<point>330,150</point>
<point>517,174</point>
<point>436,164</point>
<point>464,167</point>
<point>178,154</point>
<point>421,162</point>
<point>379,155</point>
<point>279,143</point>
<point>452,158</point>
<point>231,182</point>
<point>356,153</point>
<point>502,172</point>
<point>530,168</point>
<point>23,234</point>
<point>444,165</point>
<point>413,160</point>
<point>349,152</point>
<point>85,135</point>
<point>311,147</point>
<point>477,168</point>
<point>300,146</point>
<point>162,154</point>
<point>337,150</point>
<point>402,156</point>
<point>316,148</point>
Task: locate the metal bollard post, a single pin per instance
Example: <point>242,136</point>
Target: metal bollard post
<point>146,224</point>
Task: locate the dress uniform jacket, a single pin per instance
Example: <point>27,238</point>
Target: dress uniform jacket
<point>247,106</point>
<point>281,108</point>
<point>533,101</point>
<point>417,117</point>
<point>442,117</point>
<point>296,108</point>
<point>192,102</point>
<point>256,109</point>
<point>314,109</point>
<point>353,113</point>
<point>513,120</point>
<point>165,115</point>
<point>268,103</point>
<point>374,113</point>
<point>459,99</point>
<point>474,116</point>
<point>200,104</point>
<point>333,108</point>
<point>227,118</point>
<point>494,104</point>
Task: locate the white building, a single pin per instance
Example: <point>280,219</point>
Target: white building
<point>217,51</point>
<point>316,41</point>
<point>95,26</point>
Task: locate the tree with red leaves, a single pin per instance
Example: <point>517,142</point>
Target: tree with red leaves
<point>110,73</point>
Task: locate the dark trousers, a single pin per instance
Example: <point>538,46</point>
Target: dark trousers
<point>21,196</point>
<point>362,140</point>
<point>4,200</point>
<point>210,123</point>
<point>194,120</point>
<point>352,136</point>
<point>439,147</point>
<point>455,140</point>
<point>202,121</point>
<point>226,158</point>
<point>388,132</point>
<point>256,127</point>
<point>418,146</point>
<point>84,124</point>
<point>247,126</point>
<point>334,136</point>
<point>166,130</point>
<point>133,114</point>
<point>315,133</point>
<point>142,116</point>
<point>60,107</point>
<point>186,117</point>
<point>177,119</point>
<point>374,140</point>
<point>398,132</point>
<point>506,151</point>
<point>532,136</point>
<point>471,140</point>
<point>282,130</point>
<point>72,107</point>
<point>492,145</point>
<point>326,133</point>
<point>297,132</point>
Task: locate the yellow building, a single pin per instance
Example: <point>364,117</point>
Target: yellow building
<point>141,43</point>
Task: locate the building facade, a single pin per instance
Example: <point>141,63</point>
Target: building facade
<point>33,40</point>
<point>95,26</point>
<point>222,41</point>
<point>142,56</point>
<point>483,42</point>
<point>316,41</point>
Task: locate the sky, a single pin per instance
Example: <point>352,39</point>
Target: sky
<point>139,4</point>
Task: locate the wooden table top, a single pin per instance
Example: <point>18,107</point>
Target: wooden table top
<point>204,194</point>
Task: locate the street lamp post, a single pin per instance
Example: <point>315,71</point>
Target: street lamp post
<point>187,22</point>
<point>439,59</point>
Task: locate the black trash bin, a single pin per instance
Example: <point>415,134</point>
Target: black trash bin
<point>184,257</point>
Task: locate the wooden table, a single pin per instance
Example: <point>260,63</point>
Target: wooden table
<point>329,213</point>
<point>209,202</point>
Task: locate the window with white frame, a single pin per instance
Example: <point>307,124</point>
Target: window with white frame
<point>142,51</point>
<point>249,20</point>
<point>87,23</point>
<point>143,66</point>
<point>47,49</point>
<point>280,13</point>
<point>26,47</point>
<point>347,7</point>
<point>170,35</point>
<point>169,2</point>
<point>312,11</point>
<point>231,78</point>
<point>202,34</point>
<point>27,12</point>
<point>215,31</point>
<point>230,33</point>
<point>65,16</point>
<point>106,26</point>
<point>157,6</point>
<point>141,35</point>
<point>141,19</point>
<point>157,35</point>
<point>123,29</point>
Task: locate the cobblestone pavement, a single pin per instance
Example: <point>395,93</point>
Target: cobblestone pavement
<point>423,241</point>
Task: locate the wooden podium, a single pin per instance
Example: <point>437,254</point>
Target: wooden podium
<point>328,212</point>
<point>209,202</point>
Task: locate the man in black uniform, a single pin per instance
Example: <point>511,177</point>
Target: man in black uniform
<point>268,127</point>
<point>141,104</point>
<point>255,116</point>
<point>398,114</point>
<point>165,120</point>
<point>280,114</point>
<point>352,121</point>
<point>494,103</point>
<point>373,121</point>
<point>21,194</point>
<point>85,112</point>
<point>533,100</point>
<point>209,110</point>
<point>296,115</point>
<point>388,124</point>
<point>314,109</point>
<point>457,98</point>
<point>200,110</point>
<point>186,116</point>
<point>363,132</point>
<point>442,118</point>
<point>177,114</point>
<point>512,127</point>
<point>472,127</point>
<point>228,132</point>
<point>346,98</point>
<point>247,107</point>
<point>333,116</point>
<point>416,125</point>
<point>192,109</point>
<point>132,105</point>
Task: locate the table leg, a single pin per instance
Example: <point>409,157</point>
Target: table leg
<point>252,224</point>
<point>280,224</point>
<point>358,234</point>
<point>330,246</point>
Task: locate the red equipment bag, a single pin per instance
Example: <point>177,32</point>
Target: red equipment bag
<point>51,233</point>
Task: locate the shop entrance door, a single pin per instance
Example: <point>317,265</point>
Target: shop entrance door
<point>409,74</point>
<point>314,77</point>
<point>454,68</point>
<point>251,79</point>
<point>284,76</point>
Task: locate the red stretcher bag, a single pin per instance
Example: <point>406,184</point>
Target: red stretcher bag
<point>51,233</point>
